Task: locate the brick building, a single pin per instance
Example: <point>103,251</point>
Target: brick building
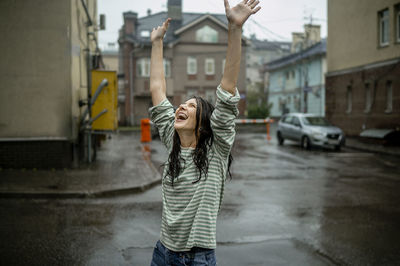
<point>363,79</point>
<point>194,56</point>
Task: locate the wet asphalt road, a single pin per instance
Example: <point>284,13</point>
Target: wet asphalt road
<point>284,206</point>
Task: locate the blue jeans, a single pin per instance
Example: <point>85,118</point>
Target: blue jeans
<point>196,257</point>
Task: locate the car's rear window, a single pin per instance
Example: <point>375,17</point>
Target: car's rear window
<point>287,119</point>
<point>295,121</point>
<point>315,121</point>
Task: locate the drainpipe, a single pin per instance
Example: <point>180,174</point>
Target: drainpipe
<point>89,79</point>
<point>131,117</point>
<point>131,87</point>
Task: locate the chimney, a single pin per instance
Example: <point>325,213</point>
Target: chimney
<point>175,13</point>
<point>312,34</point>
<point>130,23</point>
<point>297,42</point>
<point>175,9</point>
<point>148,12</point>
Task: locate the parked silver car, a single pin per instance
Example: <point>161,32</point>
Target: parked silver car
<point>310,130</point>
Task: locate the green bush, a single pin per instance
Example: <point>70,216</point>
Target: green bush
<point>254,112</point>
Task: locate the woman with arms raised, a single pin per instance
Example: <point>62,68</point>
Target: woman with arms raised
<point>199,139</point>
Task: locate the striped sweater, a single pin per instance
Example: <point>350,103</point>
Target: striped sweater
<point>190,210</point>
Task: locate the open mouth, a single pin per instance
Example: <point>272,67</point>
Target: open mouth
<point>181,117</point>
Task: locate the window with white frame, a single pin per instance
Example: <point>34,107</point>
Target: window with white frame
<point>397,16</point>
<point>389,97</point>
<point>349,99</point>
<point>210,95</point>
<point>145,33</point>
<point>191,92</point>
<point>167,68</point>
<point>191,65</point>
<point>368,98</point>
<point>383,27</point>
<point>209,66</point>
<point>143,67</point>
<point>207,34</point>
<point>297,103</point>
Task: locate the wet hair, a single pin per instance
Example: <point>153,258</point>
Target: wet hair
<point>204,137</point>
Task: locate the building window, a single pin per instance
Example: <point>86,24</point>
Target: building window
<point>349,99</point>
<point>297,103</point>
<point>397,18</point>
<point>207,34</point>
<point>192,66</point>
<point>389,97</point>
<point>210,95</point>
<point>210,66</point>
<point>383,27</point>
<point>143,67</point>
<point>368,98</point>
<point>167,67</point>
<point>191,92</point>
<point>145,33</point>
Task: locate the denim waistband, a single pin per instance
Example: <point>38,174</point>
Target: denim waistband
<point>193,250</point>
<point>200,250</point>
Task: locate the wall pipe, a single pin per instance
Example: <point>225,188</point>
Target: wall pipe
<point>99,89</point>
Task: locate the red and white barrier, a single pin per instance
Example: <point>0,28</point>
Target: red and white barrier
<point>254,121</point>
<point>266,121</point>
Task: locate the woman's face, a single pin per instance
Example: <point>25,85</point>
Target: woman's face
<point>185,116</point>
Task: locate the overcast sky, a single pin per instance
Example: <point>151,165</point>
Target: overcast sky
<point>276,20</point>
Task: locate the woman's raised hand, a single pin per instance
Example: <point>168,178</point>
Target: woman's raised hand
<point>238,14</point>
<point>159,32</point>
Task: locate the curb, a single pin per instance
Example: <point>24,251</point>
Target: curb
<point>80,194</point>
<point>84,194</point>
<point>355,147</point>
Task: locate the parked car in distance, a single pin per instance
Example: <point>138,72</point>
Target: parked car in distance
<point>310,130</point>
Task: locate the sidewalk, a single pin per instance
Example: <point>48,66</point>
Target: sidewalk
<point>358,144</point>
<point>123,166</point>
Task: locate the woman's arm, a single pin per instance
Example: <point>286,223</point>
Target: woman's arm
<point>157,78</point>
<point>236,16</point>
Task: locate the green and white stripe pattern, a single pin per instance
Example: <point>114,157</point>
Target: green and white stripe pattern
<point>190,210</point>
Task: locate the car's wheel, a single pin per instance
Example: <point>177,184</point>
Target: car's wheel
<point>280,138</point>
<point>338,147</point>
<point>305,143</point>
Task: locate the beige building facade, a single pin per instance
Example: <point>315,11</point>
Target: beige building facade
<point>44,75</point>
<point>363,79</point>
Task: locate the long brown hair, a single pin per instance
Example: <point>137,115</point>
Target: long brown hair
<point>204,137</point>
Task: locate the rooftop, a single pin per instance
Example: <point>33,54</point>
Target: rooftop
<point>316,49</point>
<point>147,23</point>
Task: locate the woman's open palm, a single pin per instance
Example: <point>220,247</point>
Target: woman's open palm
<point>242,11</point>
<point>159,32</point>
